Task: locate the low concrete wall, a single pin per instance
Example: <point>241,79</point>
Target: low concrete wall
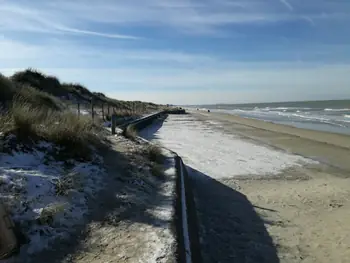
<point>185,220</point>
<point>142,123</point>
<point>186,252</point>
<point>175,111</point>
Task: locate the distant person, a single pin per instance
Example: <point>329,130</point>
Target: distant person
<point>208,110</point>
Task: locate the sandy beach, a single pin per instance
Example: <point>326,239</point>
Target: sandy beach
<point>264,192</point>
<point>307,209</point>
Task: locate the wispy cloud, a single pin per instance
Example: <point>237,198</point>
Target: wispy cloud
<point>204,17</point>
<point>287,4</point>
<point>93,33</point>
<point>270,46</point>
<point>33,19</point>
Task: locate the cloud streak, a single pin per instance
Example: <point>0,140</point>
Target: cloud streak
<point>195,17</point>
<point>93,33</point>
<point>47,21</point>
<point>213,48</point>
<point>287,4</point>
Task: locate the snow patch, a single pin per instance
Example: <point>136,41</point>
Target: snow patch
<point>29,184</point>
<point>219,154</point>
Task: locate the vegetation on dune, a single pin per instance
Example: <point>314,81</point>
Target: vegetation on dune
<point>30,123</point>
<point>155,154</point>
<point>55,130</point>
<point>157,170</point>
<point>131,132</point>
<point>68,92</point>
<point>34,106</point>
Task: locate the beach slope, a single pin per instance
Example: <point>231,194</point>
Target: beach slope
<point>263,192</point>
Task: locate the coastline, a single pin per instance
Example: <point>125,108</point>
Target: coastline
<point>267,192</point>
<point>304,209</point>
<point>329,148</point>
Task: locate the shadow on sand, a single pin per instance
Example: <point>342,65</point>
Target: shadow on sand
<point>150,132</point>
<point>229,228</point>
<point>109,208</point>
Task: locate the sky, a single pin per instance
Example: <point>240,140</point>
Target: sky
<point>184,51</point>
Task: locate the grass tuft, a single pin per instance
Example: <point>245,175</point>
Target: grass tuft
<point>65,183</point>
<point>71,133</point>
<point>157,170</point>
<point>48,213</point>
<point>155,154</point>
<point>131,132</point>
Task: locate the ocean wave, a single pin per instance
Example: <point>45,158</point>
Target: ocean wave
<point>291,108</point>
<point>336,109</point>
<point>311,117</point>
<point>346,116</point>
<point>281,108</point>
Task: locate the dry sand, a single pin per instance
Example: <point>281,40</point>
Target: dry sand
<point>305,210</point>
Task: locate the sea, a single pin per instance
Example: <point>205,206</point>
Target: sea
<point>330,116</point>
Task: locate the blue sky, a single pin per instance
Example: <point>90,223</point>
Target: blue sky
<point>184,51</point>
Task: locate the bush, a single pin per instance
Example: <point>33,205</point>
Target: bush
<point>24,118</point>
<point>68,182</point>
<point>39,98</point>
<point>157,170</point>
<point>48,213</point>
<point>131,132</point>
<point>11,90</point>
<point>7,89</point>
<point>73,134</point>
<point>155,154</point>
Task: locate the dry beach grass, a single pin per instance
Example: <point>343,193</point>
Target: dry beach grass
<point>70,186</point>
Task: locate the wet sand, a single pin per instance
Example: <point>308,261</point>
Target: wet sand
<point>299,215</point>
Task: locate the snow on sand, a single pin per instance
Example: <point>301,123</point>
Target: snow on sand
<point>29,185</point>
<point>219,154</point>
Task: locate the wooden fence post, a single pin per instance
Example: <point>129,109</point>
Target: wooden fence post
<point>92,109</point>
<point>103,112</point>
<point>114,123</point>
<point>78,109</point>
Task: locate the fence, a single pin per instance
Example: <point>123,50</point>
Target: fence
<point>104,110</point>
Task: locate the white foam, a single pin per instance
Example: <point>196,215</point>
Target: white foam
<point>218,154</point>
<point>337,109</point>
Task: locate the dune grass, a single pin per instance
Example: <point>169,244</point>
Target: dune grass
<point>32,114</point>
<point>155,154</point>
<point>157,170</point>
<point>71,133</point>
<point>131,132</point>
<point>35,106</point>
